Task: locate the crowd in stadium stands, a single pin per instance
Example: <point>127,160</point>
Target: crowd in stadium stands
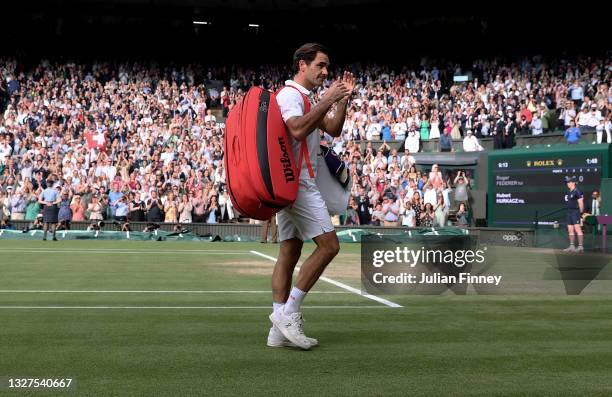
<point>141,142</point>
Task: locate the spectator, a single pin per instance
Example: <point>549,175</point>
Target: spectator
<point>604,126</point>
<point>18,206</point>
<point>446,142</point>
<point>572,134</point>
<point>536,125</point>
<point>213,212</point>
<point>407,212</point>
<point>136,208</point>
<point>170,209</point>
<point>95,209</point>
<point>154,208</point>
<point>470,143</point>
<point>77,208</point>
<point>462,216</point>
<point>185,207</point>
<point>390,211</point>
<point>64,215</point>
<point>428,216</point>
<point>351,216</point>
<point>417,207</point>
<point>461,187</point>
<point>122,209</point>
<point>441,211</point>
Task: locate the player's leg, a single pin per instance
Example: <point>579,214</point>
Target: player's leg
<point>288,256</point>
<point>327,248</point>
<point>45,229</point>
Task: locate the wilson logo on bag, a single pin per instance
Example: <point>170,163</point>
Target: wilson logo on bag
<point>261,172</point>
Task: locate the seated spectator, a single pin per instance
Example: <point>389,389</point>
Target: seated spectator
<point>412,141</point>
<point>470,143</point>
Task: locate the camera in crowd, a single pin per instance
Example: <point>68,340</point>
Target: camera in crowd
<point>151,227</point>
<point>96,226</point>
<point>122,225</point>
<point>36,224</point>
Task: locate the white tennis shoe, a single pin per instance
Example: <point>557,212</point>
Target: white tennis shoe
<point>291,327</point>
<point>277,339</point>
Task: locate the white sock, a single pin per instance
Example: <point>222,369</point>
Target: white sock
<point>276,305</point>
<point>295,301</point>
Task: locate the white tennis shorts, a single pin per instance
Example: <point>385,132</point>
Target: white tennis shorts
<point>307,217</point>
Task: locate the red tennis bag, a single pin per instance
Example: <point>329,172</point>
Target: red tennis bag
<point>261,173</point>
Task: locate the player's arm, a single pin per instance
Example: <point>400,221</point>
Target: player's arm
<point>581,204</point>
<point>332,124</point>
<point>301,126</point>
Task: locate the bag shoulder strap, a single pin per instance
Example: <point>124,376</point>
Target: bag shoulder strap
<point>304,155</point>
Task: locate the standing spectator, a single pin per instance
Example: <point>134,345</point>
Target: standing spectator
<point>266,225</point>
<point>154,208</point>
<point>407,213</point>
<point>199,207</point>
<point>435,177</point>
<point>18,206</point>
<point>350,216</point>
<point>441,211</point>
<point>446,142</point>
<point>363,207</point>
<point>64,215</point>
<point>604,126</point>
<point>390,210</point>
<point>428,216</point>
<point>212,211</point>
<point>572,134</point>
<point>170,209</point>
<point>184,209</point>
<point>536,125</point>
<point>122,209</point>
<point>136,208</point>
<point>417,207</point>
<point>462,216</point>
<point>77,208</point>
<point>32,207</point>
<point>576,92</point>
<point>378,215</point>
<point>461,187</point>
<point>5,210</point>
<point>95,209</point>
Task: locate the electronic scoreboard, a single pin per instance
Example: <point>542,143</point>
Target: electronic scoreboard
<point>529,180</point>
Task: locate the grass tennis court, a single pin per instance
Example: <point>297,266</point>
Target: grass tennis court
<point>144,319</point>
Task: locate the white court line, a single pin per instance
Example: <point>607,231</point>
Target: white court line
<point>31,291</point>
<point>267,307</point>
<point>102,251</point>
<point>341,285</point>
<point>107,249</point>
